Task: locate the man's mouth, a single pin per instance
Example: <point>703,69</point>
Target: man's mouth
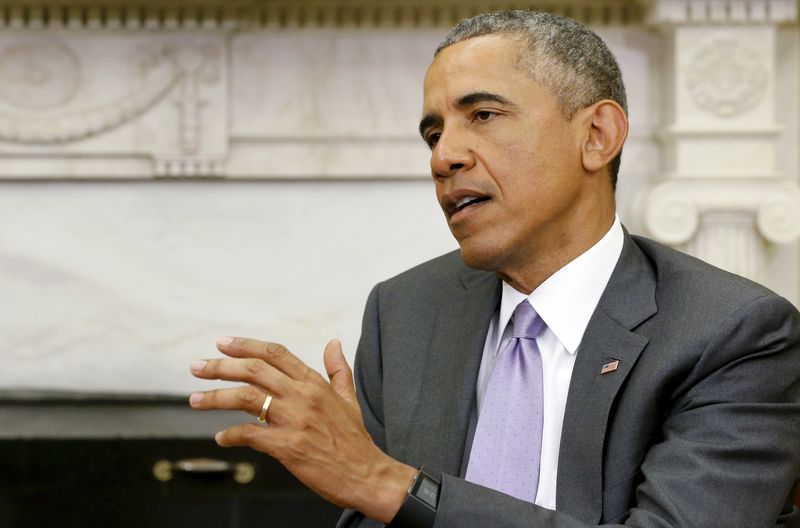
<point>468,201</point>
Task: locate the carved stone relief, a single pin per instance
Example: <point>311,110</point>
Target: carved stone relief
<point>38,75</point>
<point>196,66</point>
<point>153,78</point>
<point>726,77</point>
<point>77,94</point>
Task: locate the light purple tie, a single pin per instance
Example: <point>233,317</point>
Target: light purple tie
<point>506,448</point>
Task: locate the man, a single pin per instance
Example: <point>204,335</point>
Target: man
<point>557,372</point>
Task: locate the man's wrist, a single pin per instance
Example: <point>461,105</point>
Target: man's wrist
<point>422,501</point>
<point>387,490</point>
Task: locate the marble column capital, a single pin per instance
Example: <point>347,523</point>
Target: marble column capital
<point>671,210</point>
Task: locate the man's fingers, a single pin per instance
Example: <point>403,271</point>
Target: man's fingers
<point>275,354</point>
<point>338,370</point>
<point>253,371</point>
<point>246,398</point>
<point>249,434</point>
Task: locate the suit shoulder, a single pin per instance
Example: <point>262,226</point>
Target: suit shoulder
<point>445,268</point>
<point>693,283</point>
<point>430,282</point>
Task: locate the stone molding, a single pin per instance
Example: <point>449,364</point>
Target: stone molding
<point>230,14</point>
<point>723,12</point>
<point>163,107</point>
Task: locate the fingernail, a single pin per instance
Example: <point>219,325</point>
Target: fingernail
<point>224,341</point>
<point>199,365</point>
<point>218,437</point>
<point>195,398</point>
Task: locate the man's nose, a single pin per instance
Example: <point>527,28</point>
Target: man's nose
<point>451,154</point>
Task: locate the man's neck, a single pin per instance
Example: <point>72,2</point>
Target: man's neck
<point>527,276</point>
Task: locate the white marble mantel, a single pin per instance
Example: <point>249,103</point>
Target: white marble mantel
<point>174,171</point>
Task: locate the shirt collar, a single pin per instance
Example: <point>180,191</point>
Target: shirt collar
<point>568,298</point>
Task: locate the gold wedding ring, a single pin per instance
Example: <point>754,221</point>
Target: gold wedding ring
<point>264,408</point>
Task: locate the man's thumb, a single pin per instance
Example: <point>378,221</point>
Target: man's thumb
<point>338,370</point>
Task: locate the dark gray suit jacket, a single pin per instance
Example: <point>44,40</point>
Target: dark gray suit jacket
<point>699,426</point>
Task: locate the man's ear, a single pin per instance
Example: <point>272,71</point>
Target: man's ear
<point>606,128</point>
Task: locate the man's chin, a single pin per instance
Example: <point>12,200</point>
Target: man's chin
<point>479,258</point>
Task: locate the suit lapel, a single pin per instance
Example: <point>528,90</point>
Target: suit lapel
<point>627,301</point>
<point>451,370</point>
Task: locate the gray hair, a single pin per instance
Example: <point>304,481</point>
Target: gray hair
<point>561,54</point>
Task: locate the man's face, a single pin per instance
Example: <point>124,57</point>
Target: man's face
<point>505,161</point>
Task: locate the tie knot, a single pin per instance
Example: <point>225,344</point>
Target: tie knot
<point>526,321</point>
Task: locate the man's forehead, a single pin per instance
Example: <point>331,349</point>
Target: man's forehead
<point>479,59</point>
<point>481,64</point>
<point>484,50</point>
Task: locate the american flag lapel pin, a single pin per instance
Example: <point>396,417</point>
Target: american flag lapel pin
<point>611,366</point>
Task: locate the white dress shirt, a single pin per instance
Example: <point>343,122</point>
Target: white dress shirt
<point>565,301</point>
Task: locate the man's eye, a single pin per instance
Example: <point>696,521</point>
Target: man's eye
<point>433,138</point>
<point>484,115</point>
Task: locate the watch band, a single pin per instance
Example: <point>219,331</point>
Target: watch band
<point>419,508</point>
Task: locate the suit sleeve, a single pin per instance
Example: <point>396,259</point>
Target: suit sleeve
<point>368,373</point>
<point>727,450</point>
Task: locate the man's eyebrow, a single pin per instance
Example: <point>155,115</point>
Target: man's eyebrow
<point>464,101</point>
<point>428,121</point>
<point>482,97</point>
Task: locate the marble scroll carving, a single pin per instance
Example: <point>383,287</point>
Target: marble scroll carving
<point>154,102</point>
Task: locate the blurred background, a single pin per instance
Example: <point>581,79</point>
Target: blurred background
<point>176,170</point>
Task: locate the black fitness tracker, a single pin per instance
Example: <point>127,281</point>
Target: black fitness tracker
<point>419,508</point>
